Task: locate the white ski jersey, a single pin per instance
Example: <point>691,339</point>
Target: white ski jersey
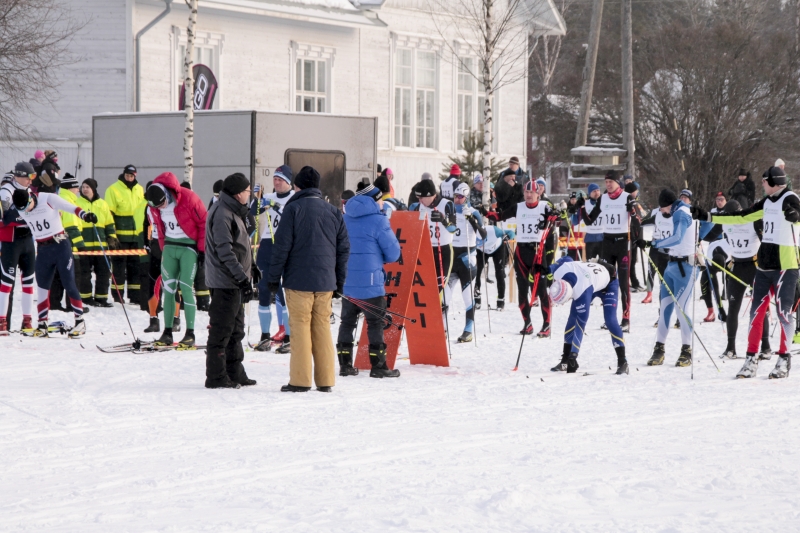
<point>273,214</point>
<point>465,234</point>
<point>588,276</point>
<point>742,240</point>
<point>597,226</point>
<point>777,230</point>
<point>153,226</point>
<point>663,225</point>
<point>448,187</point>
<point>44,220</point>
<point>614,213</point>
<point>492,242</point>
<point>528,220</point>
<point>439,234</point>
<point>172,229</point>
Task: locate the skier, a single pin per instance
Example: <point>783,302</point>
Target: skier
<point>495,245</point>
<point>777,266</point>
<point>448,186</point>
<point>582,283</point>
<point>17,249</point>
<point>68,190</point>
<point>662,228</point>
<point>679,277</point>
<point>614,207</point>
<point>469,225</point>
<point>372,244</point>
<point>180,217</point>
<point>441,215</point>
<point>739,245</point>
<point>709,288</point>
<point>271,205</point>
<point>531,216</point>
<point>41,214</point>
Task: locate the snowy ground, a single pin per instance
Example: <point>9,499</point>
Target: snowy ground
<point>93,442</point>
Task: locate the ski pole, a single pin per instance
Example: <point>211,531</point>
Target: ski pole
<point>444,291</point>
<point>362,303</point>
<point>471,287</point>
<point>694,280</point>
<point>374,312</point>
<point>675,300</point>
<point>136,342</point>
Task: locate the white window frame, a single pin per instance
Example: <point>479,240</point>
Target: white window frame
<point>462,51</point>
<point>316,52</point>
<point>416,43</point>
<point>203,39</point>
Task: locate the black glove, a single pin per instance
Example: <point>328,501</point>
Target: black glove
<point>437,216</point>
<point>641,243</point>
<point>256,275</point>
<point>273,288</point>
<point>91,218</point>
<point>630,205</point>
<point>247,290</point>
<point>580,202</point>
<point>791,215</point>
<point>698,213</point>
<point>541,269</point>
<point>338,292</point>
<point>542,223</point>
<point>201,258</point>
<point>113,243</point>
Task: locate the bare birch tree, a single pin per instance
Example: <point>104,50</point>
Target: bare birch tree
<point>188,95</point>
<point>496,33</point>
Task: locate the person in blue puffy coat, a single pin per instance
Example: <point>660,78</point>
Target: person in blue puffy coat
<point>372,245</point>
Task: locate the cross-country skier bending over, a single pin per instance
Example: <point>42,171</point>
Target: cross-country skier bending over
<point>583,282</point>
<point>41,214</point>
<point>679,276</point>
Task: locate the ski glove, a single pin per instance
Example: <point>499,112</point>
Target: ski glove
<point>91,218</point>
<point>492,215</point>
<point>698,213</point>
<point>630,205</point>
<point>579,202</point>
<point>273,288</point>
<point>113,243</point>
<point>791,215</point>
<point>437,216</point>
<point>247,290</point>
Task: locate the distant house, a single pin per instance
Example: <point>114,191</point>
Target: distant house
<point>347,57</point>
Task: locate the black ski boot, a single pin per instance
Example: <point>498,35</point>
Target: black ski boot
<point>222,383</point>
<point>658,355</point>
<point>572,363</point>
<point>377,356</point>
<point>264,344</point>
<point>477,298</point>
<point>345,353</point>
<point>154,326</point>
<point>188,340</point>
<point>286,347</point>
<point>626,325</point>
<point>685,358</point>
<point>562,366</point>
<point>765,354</point>
<point>166,338</point>
<point>622,362</point>
<point>465,337</point>
<point>176,324</point>
<point>501,304</point>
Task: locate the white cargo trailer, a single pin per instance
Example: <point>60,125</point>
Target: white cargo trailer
<point>342,148</point>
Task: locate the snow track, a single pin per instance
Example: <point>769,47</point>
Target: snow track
<point>95,442</point>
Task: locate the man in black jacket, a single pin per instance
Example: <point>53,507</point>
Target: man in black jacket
<point>743,190</point>
<point>228,264</point>
<point>310,252</point>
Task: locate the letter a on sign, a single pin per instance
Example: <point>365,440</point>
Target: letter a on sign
<point>414,293</point>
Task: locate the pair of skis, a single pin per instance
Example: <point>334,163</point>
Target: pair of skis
<point>140,347</point>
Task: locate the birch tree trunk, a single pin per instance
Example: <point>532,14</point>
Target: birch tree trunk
<point>488,7</point>
<point>188,95</point>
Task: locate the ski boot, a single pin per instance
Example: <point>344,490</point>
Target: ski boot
<point>572,363</point>
<point>176,324</point>
<point>782,368</point>
<point>765,354</point>
<point>527,329</point>
<point>78,330</point>
<point>723,316</point>
<point>750,367</point>
<point>279,335</point>
<point>544,333</point>
<point>165,339</point>
<point>377,357</point>
<point>626,325</point>
<point>501,304</point>
<point>188,341</point>
<point>222,383</point>
<point>264,344</point>
<point>648,298</point>
<point>285,347</point>
<point>42,329</point>
<point>477,298</point>
<point>465,337</point>
<point>604,326</point>
<point>656,324</point>
<point>685,358</point>
<point>345,353</point>
<point>677,324</point>
<point>103,303</point>
<point>622,362</point>
<point>562,365</point>
<point>729,353</point>
<point>154,326</point>
<point>710,317</point>
<point>3,327</point>
<point>27,324</point>
<point>658,355</point>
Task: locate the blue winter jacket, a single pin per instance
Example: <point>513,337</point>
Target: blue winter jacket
<point>372,244</point>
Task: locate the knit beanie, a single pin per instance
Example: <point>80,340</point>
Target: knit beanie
<point>455,170</point>
<point>382,183</point>
<point>666,198</point>
<point>235,183</point>
<point>425,189</point>
<point>307,178</point>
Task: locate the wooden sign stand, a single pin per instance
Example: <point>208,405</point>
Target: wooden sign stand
<point>411,291</point>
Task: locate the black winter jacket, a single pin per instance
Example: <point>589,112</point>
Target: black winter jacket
<point>743,192</point>
<point>311,246</point>
<point>228,254</point>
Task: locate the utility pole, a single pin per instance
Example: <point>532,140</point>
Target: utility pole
<point>589,67</point>
<point>627,87</point>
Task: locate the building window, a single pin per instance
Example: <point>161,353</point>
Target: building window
<point>415,105</point>
<point>207,51</point>
<point>469,102</point>
<point>311,90</point>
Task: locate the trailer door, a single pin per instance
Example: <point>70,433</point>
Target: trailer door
<point>329,164</point>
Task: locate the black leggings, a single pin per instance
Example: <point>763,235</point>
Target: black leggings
<point>499,258</point>
<point>745,271</point>
<point>524,258</point>
<point>374,315</point>
<point>615,253</point>
<point>710,292</point>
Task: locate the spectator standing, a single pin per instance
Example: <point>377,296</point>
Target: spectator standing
<point>96,237</point>
<point>125,198</point>
<point>520,176</point>
<point>743,190</point>
<point>412,196</point>
<point>508,191</point>
<point>36,160</point>
<point>310,254</point>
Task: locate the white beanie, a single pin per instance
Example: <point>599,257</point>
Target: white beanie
<point>779,163</point>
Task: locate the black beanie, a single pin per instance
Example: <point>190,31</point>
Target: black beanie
<point>235,183</point>
<point>775,176</point>
<point>731,207</point>
<point>346,195</point>
<point>666,198</point>
<point>155,195</point>
<point>217,186</point>
<point>631,187</point>
<point>425,189</point>
<point>20,198</point>
<point>186,185</point>
<point>382,183</point>
<point>307,178</point>
<point>93,185</point>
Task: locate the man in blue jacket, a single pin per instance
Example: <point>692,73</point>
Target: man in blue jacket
<point>373,244</point>
<point>310,253</point>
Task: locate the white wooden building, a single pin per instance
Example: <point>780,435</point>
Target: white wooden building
<point>349,57</point>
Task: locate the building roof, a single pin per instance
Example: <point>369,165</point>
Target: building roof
<point>335,12</point>
<point>548,20</point>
